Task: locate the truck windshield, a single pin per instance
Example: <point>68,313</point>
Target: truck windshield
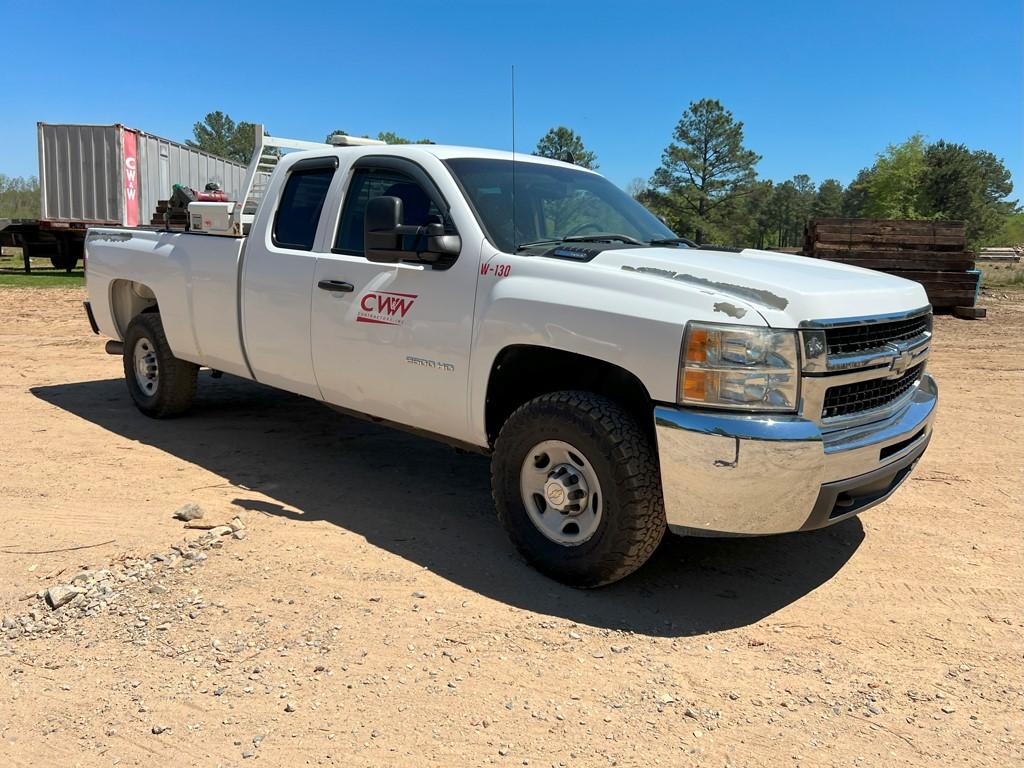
<point>552,203</point>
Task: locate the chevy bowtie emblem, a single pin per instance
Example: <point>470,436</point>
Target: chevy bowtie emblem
<point>902,363</point>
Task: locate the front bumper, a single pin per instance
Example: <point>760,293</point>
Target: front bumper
<point>732,474</point>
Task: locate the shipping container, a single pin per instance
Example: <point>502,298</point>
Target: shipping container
<point>110,174</point>
<point>107,174</point>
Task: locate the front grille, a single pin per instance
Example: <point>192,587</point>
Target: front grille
<point>852,339</point>
<point>849,399</point>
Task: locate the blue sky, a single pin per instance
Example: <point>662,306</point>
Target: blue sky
<point>821,87</point>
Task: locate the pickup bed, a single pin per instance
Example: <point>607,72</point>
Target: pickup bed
<point>624,381</point>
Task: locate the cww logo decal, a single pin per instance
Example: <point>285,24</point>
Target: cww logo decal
<point>385,307</point>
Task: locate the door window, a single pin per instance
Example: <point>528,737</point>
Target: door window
<point>417,207</point>
<point>299,210</point>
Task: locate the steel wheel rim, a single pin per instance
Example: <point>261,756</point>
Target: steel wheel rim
<point>561,492</point>
<point>147,369</point>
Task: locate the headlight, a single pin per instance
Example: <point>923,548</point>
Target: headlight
<point>730,366</point>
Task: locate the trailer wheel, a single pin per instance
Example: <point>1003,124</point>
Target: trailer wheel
<point>64,261</point>
<point>160,384</point>
<point>69,251</point>
<point>577,487</point>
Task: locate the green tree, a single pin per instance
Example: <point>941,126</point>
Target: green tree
<point>19,197</point>
<point>783,212</point>
<point>1011,233</point>
<point>963,185</point>
<point>806,194</point>
<point>219,135</point>
<point>391,137</point>
<point>746,220</point>
<point>564,144</point>
<point>707,166</point>
<point>894,184</point>
<point>855,197</point>
<point>668,206</point>
<point>828,201</point>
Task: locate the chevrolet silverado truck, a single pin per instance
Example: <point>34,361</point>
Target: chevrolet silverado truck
<point>623,380</point>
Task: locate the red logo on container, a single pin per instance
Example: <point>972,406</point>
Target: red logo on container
<point>131,179</point>
<point>385,307</point>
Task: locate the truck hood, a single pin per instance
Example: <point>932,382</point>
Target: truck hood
<point>783,289</point>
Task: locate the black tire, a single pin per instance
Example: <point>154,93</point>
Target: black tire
<point>64,261</point>
<point>632,522</point>
<point>175,385</point>
<point>68,251</point>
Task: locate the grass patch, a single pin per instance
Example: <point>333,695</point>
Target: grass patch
<point>1002,275</point>
<point>43,275</point>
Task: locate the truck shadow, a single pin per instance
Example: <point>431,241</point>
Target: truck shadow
<point>424,502</point>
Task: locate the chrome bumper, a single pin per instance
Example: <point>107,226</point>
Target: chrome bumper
<point>729,474</point>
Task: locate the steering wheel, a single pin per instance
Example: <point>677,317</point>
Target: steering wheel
<point>578,230</point>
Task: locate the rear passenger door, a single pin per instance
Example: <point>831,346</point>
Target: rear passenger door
<point>278,267</point>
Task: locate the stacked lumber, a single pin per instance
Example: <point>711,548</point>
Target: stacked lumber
<point>165,217</point>
<point>1000,254</point>
<point>934,253</point>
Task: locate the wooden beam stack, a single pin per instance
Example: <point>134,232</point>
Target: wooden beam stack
<point>166,217</point>
<point>934,253</point>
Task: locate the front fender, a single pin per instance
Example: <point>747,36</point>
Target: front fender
<point>634,323</point>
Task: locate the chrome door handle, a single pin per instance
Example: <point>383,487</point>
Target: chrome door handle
<point>335,285</point>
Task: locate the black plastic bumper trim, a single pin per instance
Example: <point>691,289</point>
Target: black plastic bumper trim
<point>846,498</point>
<point>92,319</point>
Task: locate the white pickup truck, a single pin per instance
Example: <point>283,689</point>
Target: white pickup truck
<point>623,380</point>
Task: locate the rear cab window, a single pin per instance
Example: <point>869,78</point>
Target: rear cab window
<point>302,202</point>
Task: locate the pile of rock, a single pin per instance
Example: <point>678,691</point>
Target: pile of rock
<point>91,592</point>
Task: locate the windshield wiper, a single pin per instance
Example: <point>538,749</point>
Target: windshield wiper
<point>535,243</point>
<point>601,237</point>
<point>598,238</point>
<point>673,241</point>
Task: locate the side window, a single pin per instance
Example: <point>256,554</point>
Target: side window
<point>417,207</point>
<point>299,210</point>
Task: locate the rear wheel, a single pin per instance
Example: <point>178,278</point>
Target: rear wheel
<point>577,487</point>
<point>160,384</point>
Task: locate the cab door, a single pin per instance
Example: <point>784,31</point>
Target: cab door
<point>393,340</point>
<point>277,277</point>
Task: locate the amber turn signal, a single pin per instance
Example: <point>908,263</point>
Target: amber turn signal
<point>697,345</point>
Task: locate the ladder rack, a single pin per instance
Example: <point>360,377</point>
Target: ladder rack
<point>266,154</point>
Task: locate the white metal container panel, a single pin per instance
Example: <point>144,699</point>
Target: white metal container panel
<point>80,173</point>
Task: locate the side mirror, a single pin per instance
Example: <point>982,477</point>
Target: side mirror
<point>386,240</point>
<point>381,241</point>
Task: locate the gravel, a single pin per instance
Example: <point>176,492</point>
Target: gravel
<point>61,595</point>
<point>188,512</point>
<point>126,589</point>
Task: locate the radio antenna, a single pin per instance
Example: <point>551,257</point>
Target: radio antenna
<point>515,244</point>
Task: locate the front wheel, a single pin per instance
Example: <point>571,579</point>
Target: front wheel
<point>577,487</point>
<point>160,384</point>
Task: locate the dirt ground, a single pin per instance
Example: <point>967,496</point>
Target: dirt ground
<point>376,615</point>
